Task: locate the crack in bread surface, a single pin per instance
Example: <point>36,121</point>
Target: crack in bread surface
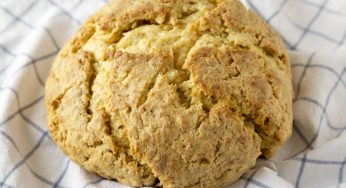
<point>165,81</point>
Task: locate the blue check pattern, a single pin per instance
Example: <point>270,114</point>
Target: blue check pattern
<point>33,31</point>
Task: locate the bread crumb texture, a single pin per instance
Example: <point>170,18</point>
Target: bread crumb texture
<point>176,93</point>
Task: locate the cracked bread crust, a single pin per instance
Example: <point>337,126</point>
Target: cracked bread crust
<point>187,93</point>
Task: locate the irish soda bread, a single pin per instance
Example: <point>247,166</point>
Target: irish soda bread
<point>177,93</point>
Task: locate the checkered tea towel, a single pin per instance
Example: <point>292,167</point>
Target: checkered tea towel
<point>33,31</point>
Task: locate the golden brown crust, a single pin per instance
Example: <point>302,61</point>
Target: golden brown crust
<point>187,147</point>
<point>187,92</point>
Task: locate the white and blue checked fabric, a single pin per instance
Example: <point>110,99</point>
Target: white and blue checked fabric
<point>314,31</point>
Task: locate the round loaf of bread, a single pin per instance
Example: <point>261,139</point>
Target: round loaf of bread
<point>177,93</point>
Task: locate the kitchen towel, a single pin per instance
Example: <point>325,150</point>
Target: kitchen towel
<point>314,31</point>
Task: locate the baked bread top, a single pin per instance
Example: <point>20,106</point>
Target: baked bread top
<point>186,93</point>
